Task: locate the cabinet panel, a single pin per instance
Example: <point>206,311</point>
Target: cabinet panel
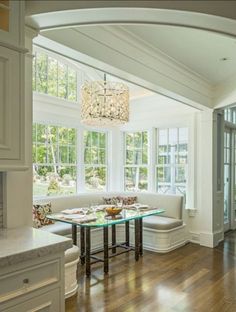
<point>28,280</point>
<point>11,107</point>
<point>49,302</point>
<point>11,22</point>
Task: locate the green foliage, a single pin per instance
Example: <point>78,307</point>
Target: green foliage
<point>53,77</point>
<point>95,148</point>
<point>54,187</point>
<point>136,148</point>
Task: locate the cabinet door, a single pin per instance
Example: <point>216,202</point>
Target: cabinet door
<point>11,108</point>
<point>48,302</point>
<point>11,22</point>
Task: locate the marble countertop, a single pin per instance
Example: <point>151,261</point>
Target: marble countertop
<point>25,243</point>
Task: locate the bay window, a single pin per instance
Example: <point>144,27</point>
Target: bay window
<point>136,161</point>
<point>54,160</point>
<point>95,160</point>
<point>53,77</point>
<point>172,156</point>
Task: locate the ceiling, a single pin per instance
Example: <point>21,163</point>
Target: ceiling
<point>210,55</point>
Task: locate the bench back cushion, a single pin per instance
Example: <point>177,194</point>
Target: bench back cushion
<point>172,204</point>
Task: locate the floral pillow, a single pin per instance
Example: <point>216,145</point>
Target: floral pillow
<point>39,214</point>
<point>111,200</point>
<point>126,200</point>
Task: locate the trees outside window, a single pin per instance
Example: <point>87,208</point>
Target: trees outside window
<point>136,161</point>
<point>54,78</point>
<point>95,160</point>
<point>54,160</point>
<point>172,159</point>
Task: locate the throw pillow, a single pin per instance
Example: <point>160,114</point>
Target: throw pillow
<point>128,200</point>
<point>111,200</point>
<point>39,214</point>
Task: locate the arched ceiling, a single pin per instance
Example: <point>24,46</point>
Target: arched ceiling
<point>179,53</point>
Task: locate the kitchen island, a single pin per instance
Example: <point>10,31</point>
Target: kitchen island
<point>32,270</point>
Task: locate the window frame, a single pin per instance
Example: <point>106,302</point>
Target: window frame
<point>147,166</point>
<point>106,166</point>
<point>59,60</point>
<point>58,163</point>
<point>172,165</point>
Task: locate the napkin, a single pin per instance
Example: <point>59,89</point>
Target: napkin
<point>86,219</point>
<point>72,211</point>
<point>80,218</point>
<point>137,206</point>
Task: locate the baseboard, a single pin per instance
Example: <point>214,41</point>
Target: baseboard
<point>206,239</point>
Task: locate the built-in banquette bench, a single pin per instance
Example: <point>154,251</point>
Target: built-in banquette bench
<point>160,233</point>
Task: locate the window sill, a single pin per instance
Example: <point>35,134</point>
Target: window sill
<point>191,211</point>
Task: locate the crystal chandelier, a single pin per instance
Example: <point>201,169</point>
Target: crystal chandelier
<point>104,103</point>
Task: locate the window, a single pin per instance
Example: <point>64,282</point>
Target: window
<point>172,154</point>
<point>54,160</point>
<point>95,160</point>
<point>136,161</point>
<point>53,77</point>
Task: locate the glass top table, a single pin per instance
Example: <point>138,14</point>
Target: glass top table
<point>99,219</point>
<point>102,219</point>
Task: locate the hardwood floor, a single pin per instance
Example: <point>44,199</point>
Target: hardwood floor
<point>191,278</point>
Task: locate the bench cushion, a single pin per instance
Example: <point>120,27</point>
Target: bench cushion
<point>161,223</point>
<point>59,228</point>
<point>71,254</point>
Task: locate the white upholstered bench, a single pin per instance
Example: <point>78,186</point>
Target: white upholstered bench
<point>160,233</point>
<point>71,262</point>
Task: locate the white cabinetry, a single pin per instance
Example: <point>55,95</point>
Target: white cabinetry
<point>35,285</point>
<point>12,54</point>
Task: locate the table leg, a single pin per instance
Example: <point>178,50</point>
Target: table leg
<point>106,250</point>
<point>87,252</point>
<point>113,229</point>
<point>141,236</point>
<point>127,233</point>
<point>137,238</point>
<point>82,245</point>
<point>74,234</point>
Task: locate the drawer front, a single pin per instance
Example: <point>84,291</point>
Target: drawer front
<point>49,302</point>
<point>32,278</point>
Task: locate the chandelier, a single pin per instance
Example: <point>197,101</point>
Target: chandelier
<point>104,103</point>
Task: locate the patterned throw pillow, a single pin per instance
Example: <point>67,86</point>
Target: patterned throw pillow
<point>39,214</point>
<point>111,200</point>
<point>126,200</point>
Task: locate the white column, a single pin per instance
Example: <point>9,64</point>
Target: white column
<point>200,224</point>
<point>18,185</point>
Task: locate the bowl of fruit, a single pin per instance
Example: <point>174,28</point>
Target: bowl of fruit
<point>113,210</point>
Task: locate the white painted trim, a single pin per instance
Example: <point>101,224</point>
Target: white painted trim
<point>131,15</point>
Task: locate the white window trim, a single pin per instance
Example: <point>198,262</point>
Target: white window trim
<point>124,165</point>
<point>96,165</point>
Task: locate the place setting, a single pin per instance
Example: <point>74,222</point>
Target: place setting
<point>79,215</point>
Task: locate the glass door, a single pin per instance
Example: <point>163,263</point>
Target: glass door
<point>227,179</point>
<point>233,181</point>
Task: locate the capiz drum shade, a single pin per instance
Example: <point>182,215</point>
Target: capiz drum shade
<point>104,103</point>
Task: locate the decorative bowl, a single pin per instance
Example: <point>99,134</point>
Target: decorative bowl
<point>113,211</point>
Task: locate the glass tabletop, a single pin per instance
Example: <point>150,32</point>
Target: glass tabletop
<point>100,218</point>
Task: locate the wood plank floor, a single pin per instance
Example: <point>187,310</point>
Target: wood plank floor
<point>191,278</point>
